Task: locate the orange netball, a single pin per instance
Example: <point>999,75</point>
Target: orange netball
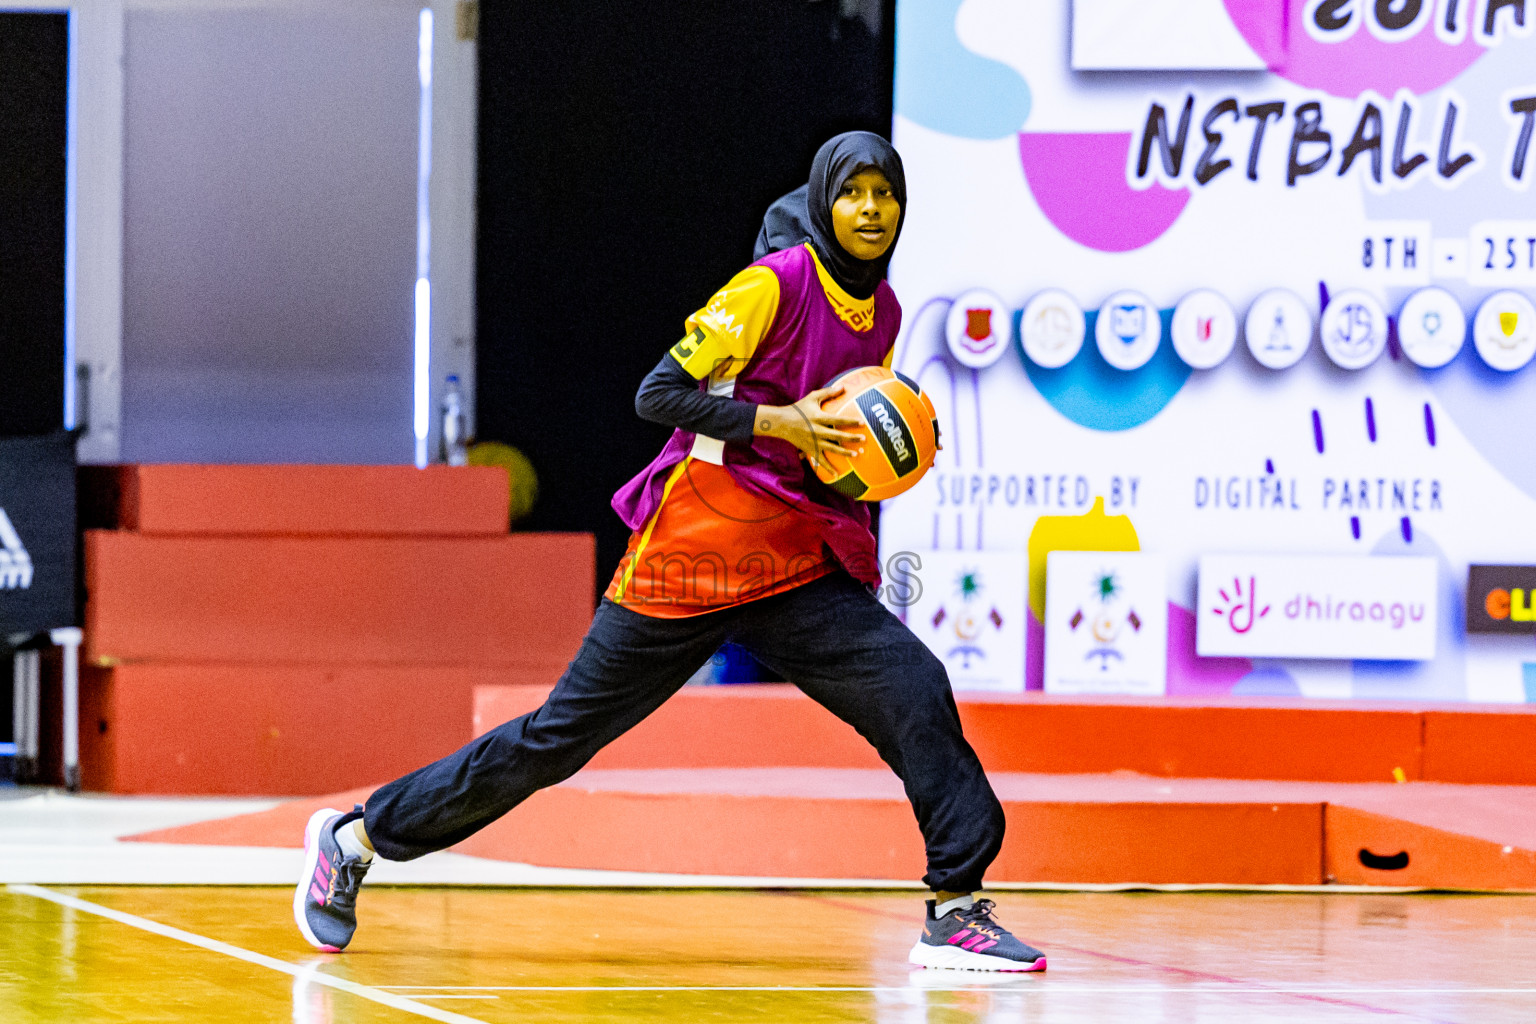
<point>901,428</point>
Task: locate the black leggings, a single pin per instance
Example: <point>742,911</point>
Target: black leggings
<point>830,637</point>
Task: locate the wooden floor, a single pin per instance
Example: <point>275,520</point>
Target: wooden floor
<point>498,956</point>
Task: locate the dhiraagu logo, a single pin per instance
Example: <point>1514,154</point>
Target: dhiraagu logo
<point>1317,607</point>
<point>1240,609</point>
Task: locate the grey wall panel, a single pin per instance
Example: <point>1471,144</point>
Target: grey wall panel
<point>270,161</point>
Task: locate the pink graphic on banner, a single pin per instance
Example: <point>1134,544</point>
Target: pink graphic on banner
<point>1078,181</point>
<point>1419,64</point>
<point>1188,673</point>
<point>1034,652</point>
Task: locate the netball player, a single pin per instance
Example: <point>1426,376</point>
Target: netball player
<point>735,540</point>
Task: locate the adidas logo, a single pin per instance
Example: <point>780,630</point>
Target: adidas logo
<point>15,563</point>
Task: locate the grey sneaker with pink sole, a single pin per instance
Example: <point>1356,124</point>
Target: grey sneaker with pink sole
<point>970,939</point>
<point>325,900</point>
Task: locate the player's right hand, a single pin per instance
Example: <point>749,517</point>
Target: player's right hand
<point>810,427</point>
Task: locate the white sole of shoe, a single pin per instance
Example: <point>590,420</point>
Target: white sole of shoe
<point>956,959</point>
<point>311,859</point>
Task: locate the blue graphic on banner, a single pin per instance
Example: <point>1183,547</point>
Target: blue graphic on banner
<point>1091,393</point>
<point>944,86</point>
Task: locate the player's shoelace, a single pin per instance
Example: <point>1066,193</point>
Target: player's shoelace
<point>349,879</point>
<point>979,916</point>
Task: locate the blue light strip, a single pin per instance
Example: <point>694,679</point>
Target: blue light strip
<point>7,750</point>
<point>423,334</point>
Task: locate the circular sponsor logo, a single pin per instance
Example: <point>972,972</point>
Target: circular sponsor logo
<point>1431,327</point>
<point>1504,330</point>
<point>1353,329</point>
<point>1128,330</point>
<point>1052,329</point>
<point>1204,329</point>
<point>979,328</point>
<point>1278,328</point>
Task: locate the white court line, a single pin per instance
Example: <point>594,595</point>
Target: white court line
<point>390,999</point>
<point>422,991</point>
<point>982,982</point>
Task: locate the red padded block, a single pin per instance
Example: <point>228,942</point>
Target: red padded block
<point>1482,745</point>
<point>766,725</point>
<point>1188,739</point>
<point>1419,855</point>
<point>523,599</point>
<point>707,834</point>
<point>1236,843</point>
<point>710,727</point>
<point>264,730</point>
<point>332,500</point>
<point>820,823</point>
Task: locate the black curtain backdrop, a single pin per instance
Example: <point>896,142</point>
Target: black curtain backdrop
<point>627,153</point>
<point>34,80</point>
<point>34,90</point>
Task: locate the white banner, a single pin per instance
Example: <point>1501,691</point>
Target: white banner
<point>1277,311</point>
<point>1279,606</point>
<point>1106,622</point>
<point>969,610</point>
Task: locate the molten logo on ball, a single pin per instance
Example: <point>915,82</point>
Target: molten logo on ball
<point>892,431</point>
<point>899,418</point>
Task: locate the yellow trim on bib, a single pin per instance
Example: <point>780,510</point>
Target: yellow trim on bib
<point>856,313</point>
<point>645,536</point>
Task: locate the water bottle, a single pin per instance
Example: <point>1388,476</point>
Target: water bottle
<point>453,446</point>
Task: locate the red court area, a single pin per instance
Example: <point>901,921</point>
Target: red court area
<point>217,641</point>
<point>753,781</point>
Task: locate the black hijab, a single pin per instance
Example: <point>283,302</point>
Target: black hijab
<point>806,213</point>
